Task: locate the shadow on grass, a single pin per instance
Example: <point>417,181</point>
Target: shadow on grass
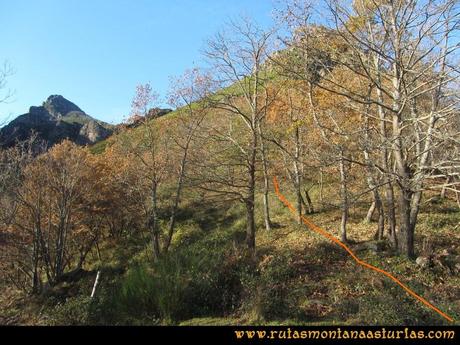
<point>209,216</point>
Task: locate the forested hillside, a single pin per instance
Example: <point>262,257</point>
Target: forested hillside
<point>175,220</point>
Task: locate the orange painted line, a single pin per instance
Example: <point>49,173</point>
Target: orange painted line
<point>324,233</point>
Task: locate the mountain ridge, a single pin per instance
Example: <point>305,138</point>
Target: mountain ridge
<point>55,120</point>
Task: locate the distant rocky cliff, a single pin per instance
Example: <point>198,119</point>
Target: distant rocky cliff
<point>57,119</point>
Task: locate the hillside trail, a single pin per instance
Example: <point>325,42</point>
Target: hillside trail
<point>312,226</point>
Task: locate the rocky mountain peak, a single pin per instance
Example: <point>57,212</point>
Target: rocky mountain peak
<point>55,120</point>
<point>58,106</point>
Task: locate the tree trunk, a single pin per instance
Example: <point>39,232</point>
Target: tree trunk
<point>444,189</point>
<point>297,174</point>
<point>370,212</point>
<point>391,213</point>
<point>389,193</point>
<point>60,248</point>
<point>250,199</point>
<point>377,203</point>
<point>250,226</point>
<point>458,198</point>
<point>321,186</point>
<point>344,195</point>
<point>156,244</point>
<point>297,186</point>
<point>36,281</point>
<point>44,249</point>
<point>180,182</point>
<point>267,220</point>
<point>153,224</point>
<point>381,215</point>
<point>406,229</point>
<point>381,221</point>
<point>309,203</point>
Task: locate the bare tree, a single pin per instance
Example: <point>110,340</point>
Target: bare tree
<point>13,162</point>
<point>189,94</point>
<point>237,58</point>
<point>306,60</point>
<point>149,150</point>
<point>406,51</point>
<point>5,94</point>
<point>373,180</point>
<point>289,133</point>
<point>159,153</point>
<point>57,212</point>
<point>5,72</point>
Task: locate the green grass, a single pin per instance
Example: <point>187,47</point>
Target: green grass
<point>76,117</point>
<point>232,90</point>
<point>296,277</point>
<point>99,147</point>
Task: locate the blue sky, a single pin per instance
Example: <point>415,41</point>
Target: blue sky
<point>94,52</point>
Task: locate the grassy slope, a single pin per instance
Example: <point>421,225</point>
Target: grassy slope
<point>234,90</point>
<point>296,278</point>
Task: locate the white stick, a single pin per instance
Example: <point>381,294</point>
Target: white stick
<point>95,284</point>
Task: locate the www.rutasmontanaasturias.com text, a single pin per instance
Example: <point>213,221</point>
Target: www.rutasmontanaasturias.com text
<point>339,333</point>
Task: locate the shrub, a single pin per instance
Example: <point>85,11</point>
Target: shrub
<point>137,291</point>
<point>194,281</point>
<point>268,291</point>
<point>72,312</point>
<point>437,221</point>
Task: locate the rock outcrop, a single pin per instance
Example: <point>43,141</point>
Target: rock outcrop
<point>57,119</point>
<point>92,132</point>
